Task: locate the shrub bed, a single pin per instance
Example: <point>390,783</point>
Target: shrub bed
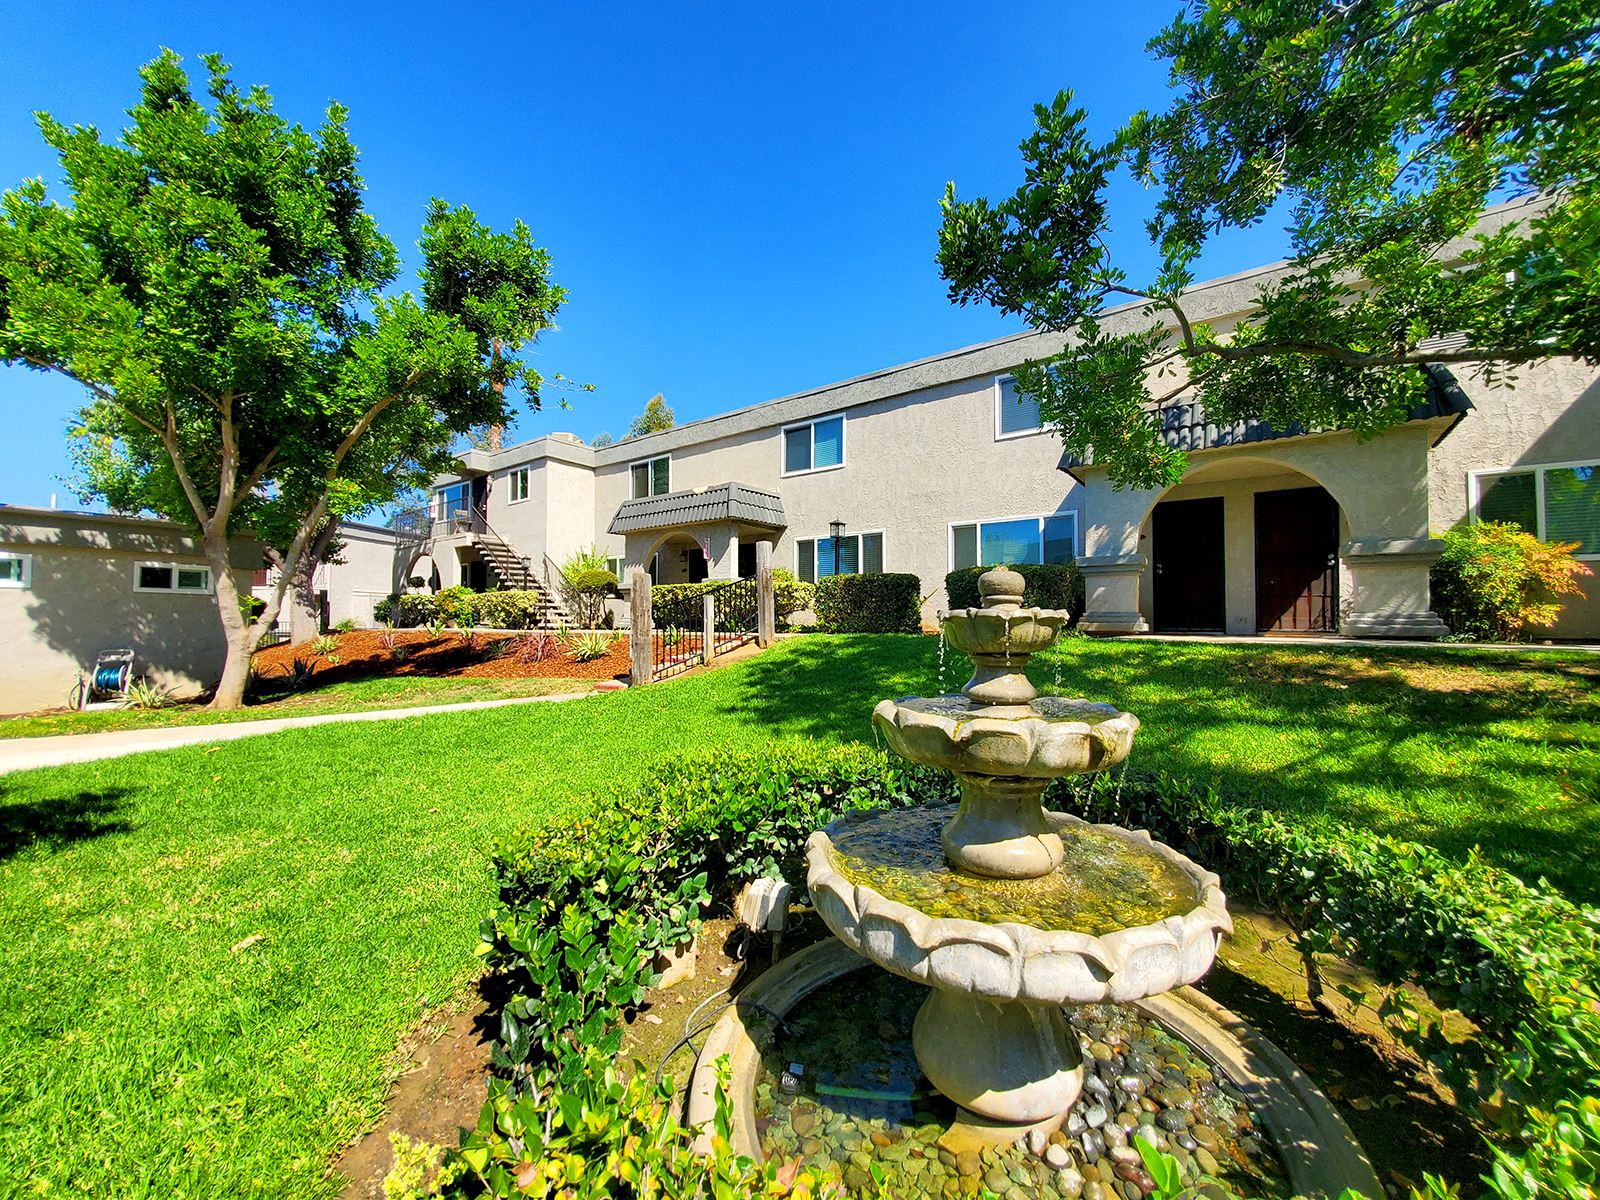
<point>461,607</point>
<point>1045,585</point>
<point>583,907</point>
<point>880,603</point>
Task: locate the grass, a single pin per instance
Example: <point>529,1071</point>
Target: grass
<point>149,1047</point>
<point>359,695</point>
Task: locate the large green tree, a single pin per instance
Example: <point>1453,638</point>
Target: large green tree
<point>1382,128</point>
<point>217,286</point>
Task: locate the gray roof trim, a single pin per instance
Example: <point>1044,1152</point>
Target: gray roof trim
<point>1184,426</point>
<point>724,502</point>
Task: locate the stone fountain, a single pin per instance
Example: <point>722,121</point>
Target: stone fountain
<point>1005,911</point>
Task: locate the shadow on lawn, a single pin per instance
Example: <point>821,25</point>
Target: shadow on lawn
<point>58,821</point>
<point>1454,748</point>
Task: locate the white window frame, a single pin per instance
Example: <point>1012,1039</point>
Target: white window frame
<point>980,522</point>
<point>828,537</point>
<point>209,589</point>
<point>27,569</point>
<point>649,466</point>
<point>621,568</point>
<point>999,395</point>
<point>1475,491</point>
<point>844,446</point>
<point>514,477</point>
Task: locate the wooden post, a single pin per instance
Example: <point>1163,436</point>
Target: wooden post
<point>708,617</point>
<point>766,610</point>
<point>640,639</point>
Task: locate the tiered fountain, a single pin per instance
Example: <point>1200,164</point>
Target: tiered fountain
<point>1007,912</point>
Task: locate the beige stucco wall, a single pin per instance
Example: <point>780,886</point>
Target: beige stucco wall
<point>1551,414</point>
<point>373,566</point>
<point>81,600</point>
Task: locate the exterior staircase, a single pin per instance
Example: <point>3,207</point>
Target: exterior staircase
<point>516,573</point>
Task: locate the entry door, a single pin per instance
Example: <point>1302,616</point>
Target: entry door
<point>1187,548</point>
<point>1297,561</point>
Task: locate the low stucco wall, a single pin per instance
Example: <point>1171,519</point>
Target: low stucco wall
<point>81,600</point>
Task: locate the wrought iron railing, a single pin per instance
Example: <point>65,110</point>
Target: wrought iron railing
<point>415,524</point>
<point>733,623</point>
<point>673,651</point>
<point>735,616</point>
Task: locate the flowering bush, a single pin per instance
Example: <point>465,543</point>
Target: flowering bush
<point>1493,581</point>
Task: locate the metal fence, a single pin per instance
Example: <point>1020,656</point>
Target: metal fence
<point>735,614</point>
<point>673,651</point>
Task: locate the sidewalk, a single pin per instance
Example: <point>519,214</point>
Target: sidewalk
<point>21,754</point>
<point>1376,644</point>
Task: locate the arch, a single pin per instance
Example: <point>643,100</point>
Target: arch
<point>1244,466</point>
<point>425,565</point>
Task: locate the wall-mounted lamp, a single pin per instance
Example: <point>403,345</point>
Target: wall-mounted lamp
<point>836,529</point>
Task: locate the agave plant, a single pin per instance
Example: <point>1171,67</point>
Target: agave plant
<point>142,693</point>
<point>326,644</point>
<point>590,646</point>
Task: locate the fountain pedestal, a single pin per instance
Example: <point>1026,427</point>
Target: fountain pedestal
<point>991,1035</point>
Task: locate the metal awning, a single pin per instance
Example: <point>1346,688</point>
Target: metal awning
<point>723,502</point>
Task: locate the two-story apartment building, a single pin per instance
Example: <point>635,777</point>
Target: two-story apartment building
<point>937,464</point>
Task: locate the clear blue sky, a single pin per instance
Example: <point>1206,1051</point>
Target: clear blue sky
<point>741,199</point>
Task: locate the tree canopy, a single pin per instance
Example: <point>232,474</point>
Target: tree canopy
<point>656,415</point>
<point>1383,128</point>
<point>218,287</point>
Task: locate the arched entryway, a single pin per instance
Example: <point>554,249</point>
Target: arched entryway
<point>1243,546</point>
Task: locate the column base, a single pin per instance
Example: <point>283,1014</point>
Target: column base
<point>1421,626</point>
<point>1112,624</point>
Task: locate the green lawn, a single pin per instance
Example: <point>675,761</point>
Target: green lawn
<point>356,695</point>
<point>143,1054</point>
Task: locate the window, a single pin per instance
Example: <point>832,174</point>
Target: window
<point>519,485</point>
<point>1014,413</point>
<point>652,477</point>
<point>16,570</point>
<point>1556,503</point>
<point>1052,539</point>
<point>617,566</point>
<point>855,554</point>
<point>818,446</point>
<point>171,577</point>
<point>452,501</point>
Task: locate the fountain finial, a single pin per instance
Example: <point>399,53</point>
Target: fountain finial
<point>1000,637</point>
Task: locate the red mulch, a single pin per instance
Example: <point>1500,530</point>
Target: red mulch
<point>362,656</point>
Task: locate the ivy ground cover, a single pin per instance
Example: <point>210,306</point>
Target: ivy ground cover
<point>208,954</point>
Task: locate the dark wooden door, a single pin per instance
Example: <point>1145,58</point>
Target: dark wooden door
<point>1186,537</point>
<point>1297,561</point>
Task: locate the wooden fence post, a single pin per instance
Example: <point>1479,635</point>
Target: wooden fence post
<point>708,616</point>
<point>766,614</point>
<point>640,639</point>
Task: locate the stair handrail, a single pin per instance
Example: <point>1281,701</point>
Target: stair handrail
<point>560,587</point>
<point>478,526</point>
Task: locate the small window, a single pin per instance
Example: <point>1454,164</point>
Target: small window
<point>1556,503</point>
<point>1015,414</point>
<point>171,577</point>
<point>852,554</point>
<point>1052,539</point>
<point>617,566</point>
<point>16,570</point>
<point>519,485</point>
<point>818,446</point>
<point>652,477</point>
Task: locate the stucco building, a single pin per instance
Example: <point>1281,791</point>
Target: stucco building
<point>75,584</point>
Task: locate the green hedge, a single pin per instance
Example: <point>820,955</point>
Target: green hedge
<point>881,603</point>
<point>1046,585</point>
<point>462,607</point>
<point>677,605</point>
<point>581,904</point>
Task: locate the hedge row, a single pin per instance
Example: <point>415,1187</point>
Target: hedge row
<point>462,607</point>
<point>579,906</point>
<point>1045,585</point>
<point>878,603</point>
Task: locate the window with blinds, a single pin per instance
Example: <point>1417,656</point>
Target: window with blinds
<point>653,477</point>
<point>814,446</point>
<point>1556,503</point>
<point>852,554</point>
<point>1051,539</point>
<point>1015,414</point>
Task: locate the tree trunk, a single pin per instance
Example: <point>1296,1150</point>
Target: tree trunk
<point>241,634</point>
<point>305,615</point>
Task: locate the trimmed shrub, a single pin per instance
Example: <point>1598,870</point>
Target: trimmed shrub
<point>789,595</point>
<point>881,603</point>
<point>505,610</point>
<point>1493,581</point>
<point>409,610</point>
<point>591,587</point>
<point>1045,585</point>
<point>455,605</point>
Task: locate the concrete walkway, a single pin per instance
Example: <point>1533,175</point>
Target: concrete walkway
<point>1378,644</point>
<point>21,754</point>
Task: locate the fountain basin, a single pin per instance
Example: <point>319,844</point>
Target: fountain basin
<point>998,631</point>
<point>990,1035</point>
<point>1044,739</point>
